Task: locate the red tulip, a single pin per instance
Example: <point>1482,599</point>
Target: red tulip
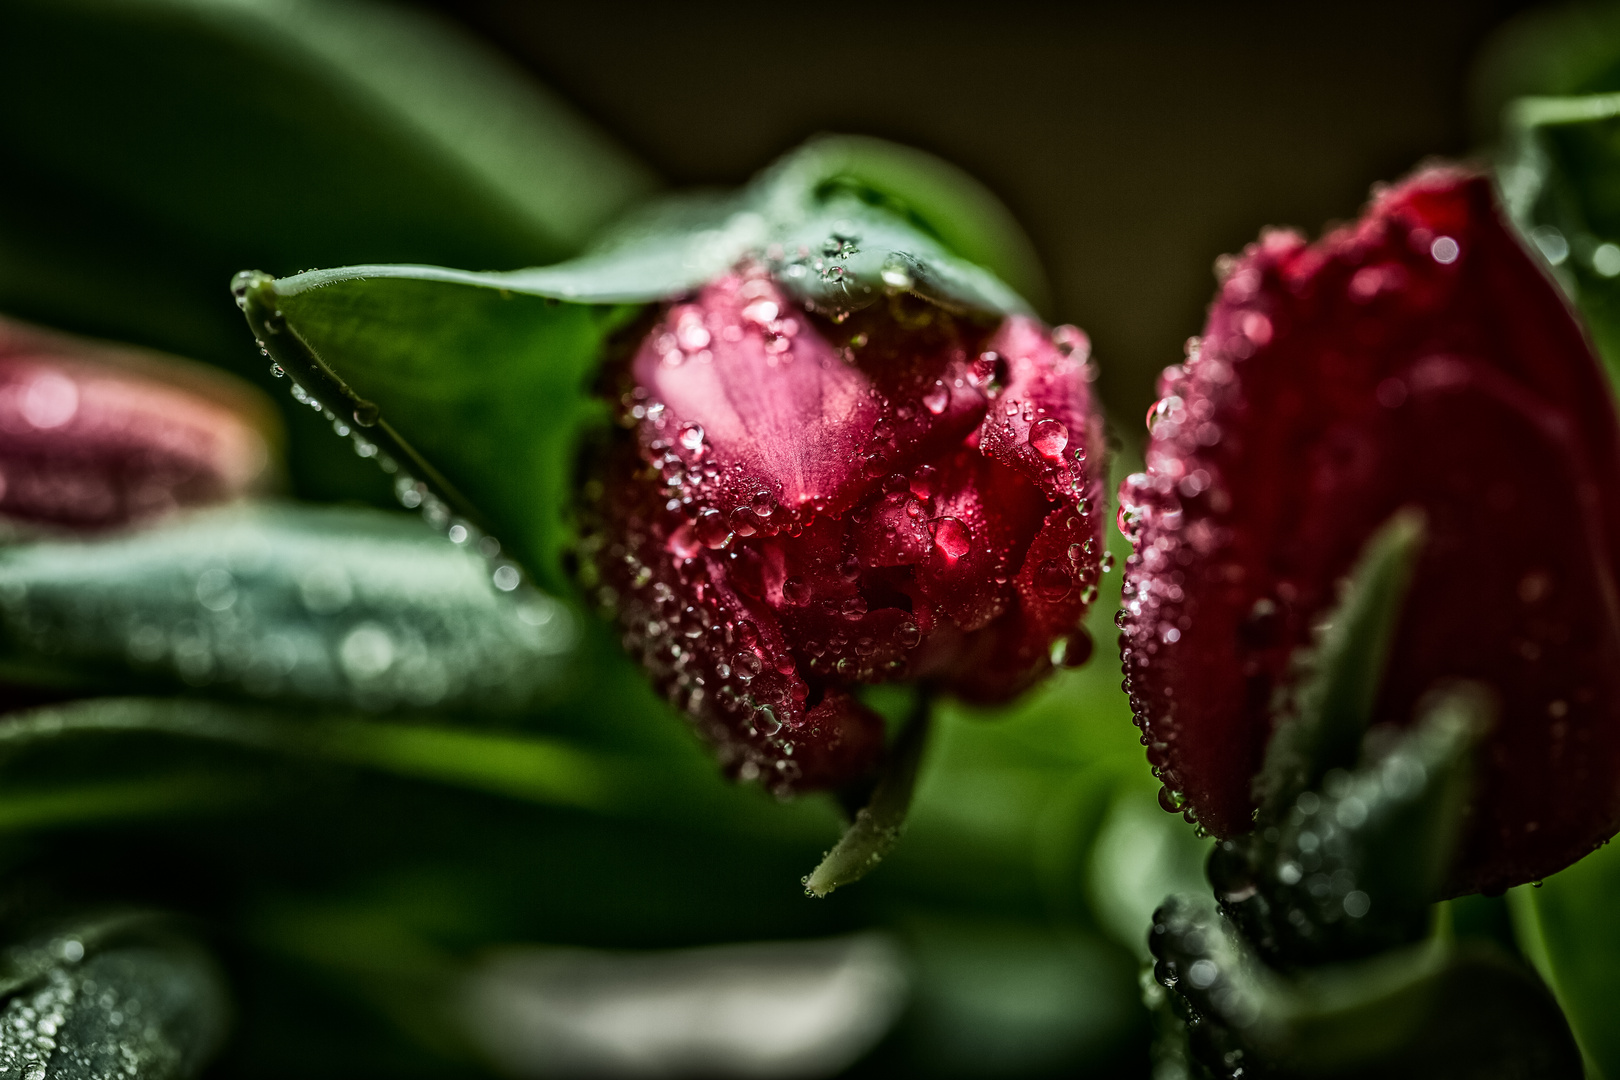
<point>808,506</point>
<point>93,436</point>
<point>1417,358</point>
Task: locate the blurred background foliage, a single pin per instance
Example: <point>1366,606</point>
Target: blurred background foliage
<point>380,877</point>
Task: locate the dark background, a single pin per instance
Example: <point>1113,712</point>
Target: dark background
<point>1136,142</point>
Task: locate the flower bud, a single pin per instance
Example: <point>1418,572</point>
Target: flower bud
<point>1418,358</point>
<point>809,505</point>
<point>93,437</point>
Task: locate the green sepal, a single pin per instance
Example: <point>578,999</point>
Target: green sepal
<point>1337,686</point>
<point>1351,869</point>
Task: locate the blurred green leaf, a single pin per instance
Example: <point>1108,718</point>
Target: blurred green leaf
<point>1560,178</point>
<point>294,130</point>
<point>1557,50</point>
<point>339,607</point>
<point>1431,1010</point>
<point>116,997</point>
<point>191,138</point>
<point>1566,925</point>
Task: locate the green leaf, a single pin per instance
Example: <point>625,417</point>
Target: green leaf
<point>154,147</point>
<point>1431,1010</point>
<point>940,199</point>
<point>1560,179</point>
<point>541,770</point>
<point>1336,691</point>
<point>478,383</point>
<point>284,603</point>
<point>490,387</point>
<point>120,997</point>
<point>1566,925</point>
<point>297,132</point>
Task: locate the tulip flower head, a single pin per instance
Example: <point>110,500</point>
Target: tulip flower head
<point>811,504</point>
<point>1419,358</point>
<point>93,437</point>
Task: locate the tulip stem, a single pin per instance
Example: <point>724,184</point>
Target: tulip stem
<point>877,826</point>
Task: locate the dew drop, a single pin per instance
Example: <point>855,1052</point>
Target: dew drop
<point>1077,649</point>
<point>1052,581</point>
<point>1049,438</point>
<point>853,608</point>
<point>795,591</point>
<point>952,538</point>
<point>937,397</point>
<point>712,529</point>
<point>908,635</point>
<point>692,438</point>
<point>683,542</point>
<point>923,481</point>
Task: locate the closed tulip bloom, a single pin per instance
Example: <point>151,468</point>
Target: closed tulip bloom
<point>93,436</point>
<point>804,506</point>
<point>1417,358</point>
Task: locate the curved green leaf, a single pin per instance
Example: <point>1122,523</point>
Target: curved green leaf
<point>943,200</point>
<point>119,997</point>
<point>1567,926</point>
<point>284,603</point>
<point>293,130</point>
<point>1560,179</point>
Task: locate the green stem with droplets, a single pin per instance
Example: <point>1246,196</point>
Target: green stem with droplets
<point>878,825</point>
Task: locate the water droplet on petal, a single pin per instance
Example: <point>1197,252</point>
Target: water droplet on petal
<point>795,591</point>
<point>1052,581</point>
<point>952,538</point>
<point>692,438</point>
<point>1049,437</point>
<point>937,397</point>
<point>712,529</point>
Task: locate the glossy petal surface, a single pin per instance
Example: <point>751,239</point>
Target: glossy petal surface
<point>1416,358</point>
